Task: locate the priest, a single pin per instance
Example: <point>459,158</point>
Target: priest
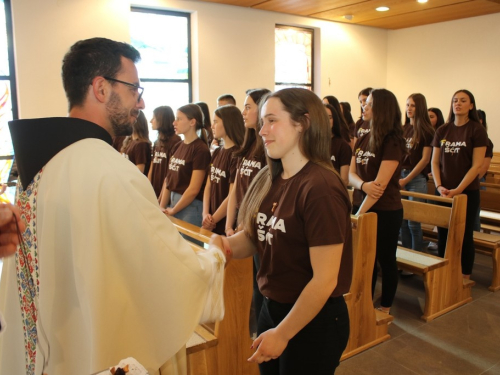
<point>101,273</point>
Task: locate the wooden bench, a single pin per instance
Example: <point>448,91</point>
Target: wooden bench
<point>484,243</point>
<point>445,288</point>
<point>368,325</point>
<point>233,332</point>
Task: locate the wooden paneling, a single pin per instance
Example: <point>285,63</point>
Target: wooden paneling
<point>446,13</point>
<point>402,13</point>
<point>365,11</point>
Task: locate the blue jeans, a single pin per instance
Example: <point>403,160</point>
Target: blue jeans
<point>191,214</point>
<point>411,231</point>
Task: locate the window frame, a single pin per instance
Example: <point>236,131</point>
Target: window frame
<point>189,80</point>
<point>309,86</point>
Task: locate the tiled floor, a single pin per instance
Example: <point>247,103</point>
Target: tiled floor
<point>464,341</point>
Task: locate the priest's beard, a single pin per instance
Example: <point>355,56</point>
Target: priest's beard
<point>120,117</point>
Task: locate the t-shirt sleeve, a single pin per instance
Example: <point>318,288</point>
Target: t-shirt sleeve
<point>436,141</point>
<point>345,154</point>
<point>489,149</point>
<point>480,137</point>
<point>142,153</point>
<point>391,149</point>
<point>201,159</point>
<point>233,167</point>
<point>325,217</point>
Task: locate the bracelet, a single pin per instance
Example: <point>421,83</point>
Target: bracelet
<point>437,187</point>
<point>361,187</point>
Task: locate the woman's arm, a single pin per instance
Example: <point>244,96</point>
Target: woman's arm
<point>221,211</point>
<point>370,188</point>
<point>150,173</point>
<point>426,158</point>
<point>477,161</point>
<point>231,209</point>
<point>385,172</point>
<point>238,246</point>
<point>325,262</point>
<point>484,167</point>
<point>436,172</point>
<point>344,174</point>
<point>189,195</point>
<point>207,221</point>
<point>165,197</point>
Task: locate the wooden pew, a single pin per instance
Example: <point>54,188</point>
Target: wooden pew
<point>445,288</point>
<point>368,325</point>
<point>233,332</point>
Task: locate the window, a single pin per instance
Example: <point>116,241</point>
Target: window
<point>293,57</point>
<point>163,39</point>
<point>8,101</point>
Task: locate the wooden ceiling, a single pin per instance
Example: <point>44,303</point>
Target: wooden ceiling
<point>402,13</point>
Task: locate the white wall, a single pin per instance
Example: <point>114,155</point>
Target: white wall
<point>437,60</point>
<point>233,49</point>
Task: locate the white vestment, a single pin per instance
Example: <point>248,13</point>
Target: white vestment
<point>116,279</point>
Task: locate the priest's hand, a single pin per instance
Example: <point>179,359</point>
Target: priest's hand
<point>9,240</point>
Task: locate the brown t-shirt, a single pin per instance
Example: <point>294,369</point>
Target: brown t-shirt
<point>362,128</point>
<point>489,149</point>
<point>352,130</point>
<point>344,132</point>
<point>340,153</point>
<point>248,167</point>
<point>313,209</point>
<point>456,145</point>
<point>222,174</point>
<point>368,165</point>
<point>186,159</point>
<point>118,142</point>
<point>139,152</point>
<point>414,155</point>
<point>161,154</point>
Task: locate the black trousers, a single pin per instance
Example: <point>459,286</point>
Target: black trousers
<point>468,249</point>
<point>317,348</point>
<point>388,225</point>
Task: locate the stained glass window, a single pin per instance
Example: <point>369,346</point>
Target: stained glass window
<point>163,39</point>
<point>293,57</point>
<point>8,107</point>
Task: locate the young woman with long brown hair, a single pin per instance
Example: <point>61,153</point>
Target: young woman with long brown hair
<point>418,134</point>
<point>374,173</point>
<point>296,216</point>
<point>459,147</point>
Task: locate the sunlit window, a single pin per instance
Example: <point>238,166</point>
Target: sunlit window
<point>8,103</point>
<point>163,39</point>
<point>293,57</point>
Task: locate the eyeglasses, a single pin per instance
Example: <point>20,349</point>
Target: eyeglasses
<point>139,89</point>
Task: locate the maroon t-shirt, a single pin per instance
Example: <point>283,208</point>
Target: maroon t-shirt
<point>362,128</point>
<point>456,145</point>
<point>489,149</point>
<point>222,174</point>
<point>186,159</point>
<point>312,208</point>
<point>139,152</point>
<point>162,151</point>
<point>248,167</point>
<point>368,165</point>
<point>414,154</point>
<point>344,132</point>
<point>340,153</point>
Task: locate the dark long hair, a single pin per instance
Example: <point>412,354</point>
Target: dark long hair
<point>207,123</point>
<point>251,134</point>
<point>421,124</point>
<point>364,92</point>
<point>333,101</point>
<point>165,117</point>
<point>233,123</point>
<point>140,128</point>
<point>336,120</point>
<point>482,118</point>
<point>386,119</point>
<point>439,115</point>
<point>472,112</point>
<point>346,111</point>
